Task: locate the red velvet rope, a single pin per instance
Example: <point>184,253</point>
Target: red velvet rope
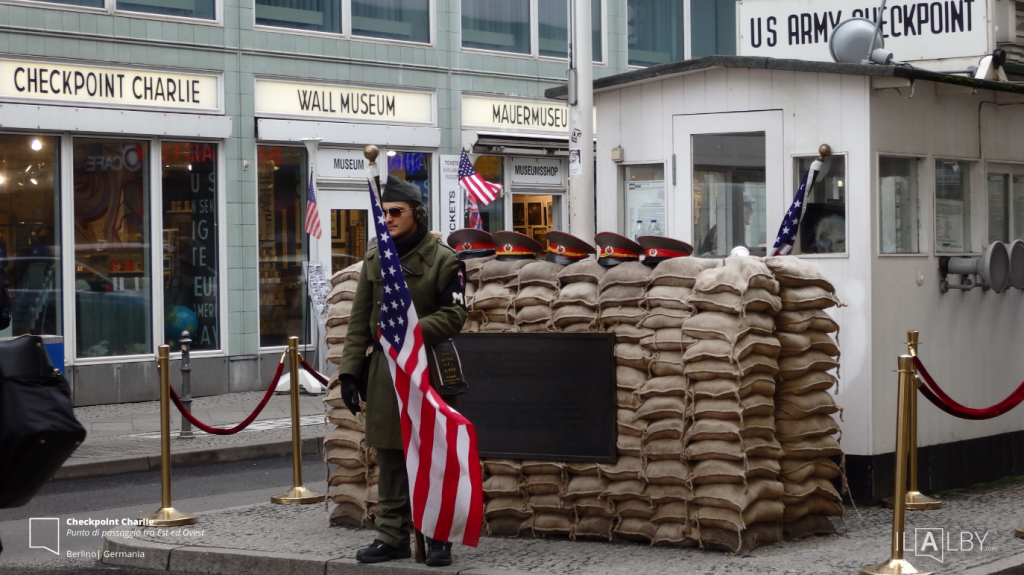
<point>934,394</point>
<point>245,423</point>
<point>316,375</point>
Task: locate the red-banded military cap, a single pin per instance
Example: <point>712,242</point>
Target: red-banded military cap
<point>613,249</point>
<point>471,243</point>
<point>659,248</point>
<point>515,246</point>
<point>566,249</point>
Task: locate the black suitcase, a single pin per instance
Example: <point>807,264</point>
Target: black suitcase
<point>38,429</point>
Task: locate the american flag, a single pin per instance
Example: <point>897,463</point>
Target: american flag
<point>485,192</point>
<point>791,221</point>
<point>440,444</point>
<point>312,214</point>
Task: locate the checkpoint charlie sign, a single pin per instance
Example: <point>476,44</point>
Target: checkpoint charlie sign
<point>800,29</point>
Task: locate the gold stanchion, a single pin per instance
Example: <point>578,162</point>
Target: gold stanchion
<point>298,493</point>
<point>915,499</point>
<point>896,564</point>
<point>166,516</point>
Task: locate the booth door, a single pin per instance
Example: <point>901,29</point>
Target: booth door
<point>1005,191</point>
<point>345,221</point>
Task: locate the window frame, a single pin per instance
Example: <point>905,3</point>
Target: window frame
<point>1012,169</point>
<point>535,37</point>
<point>925,240</point>
<point>110,8</point>
<point>346,29</point>
<point>795,158</point>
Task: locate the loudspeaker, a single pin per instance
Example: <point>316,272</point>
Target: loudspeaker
<point>993,266</point>
<point>1017,264</point>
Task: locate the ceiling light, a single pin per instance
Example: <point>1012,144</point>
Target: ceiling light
<point>1,179</point>
<point>27,168</point>
<point>190,167</point>
<point>36,144</point>
<point>392,153</point>
<point>840,184</point>
<point>34,182</point>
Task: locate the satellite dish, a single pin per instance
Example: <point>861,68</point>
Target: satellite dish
<point>851,42</point>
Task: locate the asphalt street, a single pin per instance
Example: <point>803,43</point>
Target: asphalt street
<point>68,519</point>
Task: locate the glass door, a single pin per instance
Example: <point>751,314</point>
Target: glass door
<point>345,219</point>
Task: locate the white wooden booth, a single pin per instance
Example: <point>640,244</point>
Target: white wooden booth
<point>926,165</point>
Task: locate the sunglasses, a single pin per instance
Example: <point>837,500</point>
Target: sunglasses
<point>396,212</point>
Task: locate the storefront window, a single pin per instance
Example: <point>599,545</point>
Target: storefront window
<point>654,31</point>
<point>897,205</point>
<point>952,206</point>
<point>320,15</point>
<point>393,19</point>
<point>282,200</point>
<point>644,195</point>
<point>823,224</point>
<point>112,230</point>
<point>205,9</point>
<point>413,167</point>
<point>553,28</point>
<point>190,259</point>
<point>501,25</point>
<point>729,193</point>
<point>492,216</point>
<point>29,232</point>
<point>89,3</point>
<point>712,27</point>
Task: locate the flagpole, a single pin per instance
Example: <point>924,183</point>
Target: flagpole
<point>312,145</point>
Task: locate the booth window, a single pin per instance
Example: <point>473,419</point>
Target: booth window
<point>413,167</point>
<point>205,9</point>
<point>998,204</point>
<point>29,232</point>
<point>113,303</point>
<point>729,207</point>
<point>281,184</point>
<point>407,20</point>
<point>318,15</point>
<point>823,223</point>
<point>654,31</point>
<point>190,257</point>
<point>643,193</point>
<point>553,28</point>
<point>952,206</point>
<point>898,205</point>
<point>492,216</point>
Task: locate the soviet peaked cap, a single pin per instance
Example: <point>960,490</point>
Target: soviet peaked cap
<point>471,243</point>
<point>614,249</point>
<point>515,246</point>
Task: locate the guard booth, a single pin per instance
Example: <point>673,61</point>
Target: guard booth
<point>924,166</point>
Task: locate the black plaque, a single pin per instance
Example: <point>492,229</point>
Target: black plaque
<point>541,396</point>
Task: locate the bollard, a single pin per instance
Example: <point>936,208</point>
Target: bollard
<point>166,516</point>
<point>896,563</point>
<point>915,499</point>
<point>298,493</point>
<point>186,386</point>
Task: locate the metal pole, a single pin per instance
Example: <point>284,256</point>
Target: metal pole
<point>896,564</point>
<point>298,493</point>
<point>186,386</point>
<point>581,122</point>
<point>166,516</point>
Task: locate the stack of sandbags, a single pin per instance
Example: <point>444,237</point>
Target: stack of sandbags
<point>339,300</point>
<point>476,317</point>
<point>505,508</point>
<point>574,310</point>
<point>352,470</point>
<point>544,483</point>
<point>730,440</point>
<point>803,402</point>
<point>495,298</point>
<point>538,288</point>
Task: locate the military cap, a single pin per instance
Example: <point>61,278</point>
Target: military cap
<point>515,246</point>
<point>471,243</point>
<point>614,249</point>
<point>565,249</point>
<point>659,248</point>
<point>398,190</point>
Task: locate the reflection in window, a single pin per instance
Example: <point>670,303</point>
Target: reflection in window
<point>998,198</point>
<point>29,234</point>
<point>393,19</point>
<point>190,243</point>
<point>413,167</point>
<point>823,225</point>
<point>952,206</point>
<point>112,231</point>
<point>644,195</point>
<point>712,27</point>
<point>205,9</point>
<point>1018,207</point>
<point>282,198</point>
<point>897,205</point>
<point>729,193</point>
<point>654,31</point>
<point>320,15</point>
<point>491,217</point>
<point>553,28</point>
<point>502,25</point>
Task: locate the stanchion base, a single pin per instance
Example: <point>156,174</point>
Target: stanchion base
<point>298,495</point>
<point>1019,532</point>
<point>893,567</point>
<point>168,517</point>
<point>916,501</point>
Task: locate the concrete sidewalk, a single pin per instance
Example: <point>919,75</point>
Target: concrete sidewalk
<point>267,539</point>
<point>125,438</point>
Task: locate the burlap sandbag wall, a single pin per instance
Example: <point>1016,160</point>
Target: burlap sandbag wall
<point>718,442</point>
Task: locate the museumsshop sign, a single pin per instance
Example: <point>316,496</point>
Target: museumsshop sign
<point>913,31</point>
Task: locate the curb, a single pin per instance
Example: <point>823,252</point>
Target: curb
<point>124,552</point>
<point>196,458</point>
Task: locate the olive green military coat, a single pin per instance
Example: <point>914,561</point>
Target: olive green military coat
<point>429,268</point>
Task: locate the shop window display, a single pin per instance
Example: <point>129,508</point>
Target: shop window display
<point>29,232</point>
<point>112,230</point>
<point>190,258</point>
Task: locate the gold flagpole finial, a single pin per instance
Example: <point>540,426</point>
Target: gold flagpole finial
<point>824,151</point>
<point>371,152</point>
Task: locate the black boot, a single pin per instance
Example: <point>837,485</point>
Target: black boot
<point>379,551</point>
<point>439,553</point>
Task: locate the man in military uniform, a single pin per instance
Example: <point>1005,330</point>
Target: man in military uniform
<point>437,286</point>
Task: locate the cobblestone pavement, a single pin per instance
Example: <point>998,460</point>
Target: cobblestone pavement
<point>991,513</point>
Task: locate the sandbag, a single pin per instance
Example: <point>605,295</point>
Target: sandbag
<point>349,515</point>
<point>342,417</point>
<point>759,383</point>
<point>754,299</point>
<point>533,314</point>
<point>794,367</point>
<point>667,472</point>
<point>665,429</point>
<point>501,486</point>
<point>506,507</point>
<point>813,504</point>
<point>502,271</point>
<point>627,489</point>
<point>667,339</point>
<point>339,313</point>
<point>583,468</point>
<point>812,448</point>
<point>573,314</point>
<point>614,315</point>
<point>662,494</point>
<point>807,297</point>
<point>579,293</point>
<point>681,272</point>
<point>628,445</point>
<point>344,437</point>
<point>508,526</point>
<point>636,529</point>
<point>674,512</point>
<point>502,466</point>
<point>808,382</point>
<point>793,407</point>
<point>591,527</point>
<point>718,369</point>
<point>672,297</point>
<point>662,449</point>
<point>734,450</point>
<point>585,486</point>
<point>631,355</point>
<point>674,535</point>
<point>795,493</point>
<point>352,493</point>
<point>627,423</point>
<point>347,274</point>
<point>626,333</point>
<point>543,484</point>
<point>665,363</point>
<point>628,377</point>
<point>737,275</point>
<point>492,295</point>
<point>718,471</point>
<point>540,273</point>
<point>627,399</point>
<point>737,496</point>
<point>549,524</point>
<point>619,295</point>
<point>346,457</point>
<point>336,335</point>
<point>661,408</point>
<point>811,426</point>
<point>625,469</point>
<point>668,385</point>
<point>760,511</point>
<point>663,318</point>
<point>340,475</point>
<point>635,508</point>
<point>791,271</point>
<point>634,274</point>
<point>731,429</point>
<point>728,327</point>
<point>541,467</point>
<point>551,503</point>
<point>586,271</point>
<point>535,295</point>
<point>750,406</point>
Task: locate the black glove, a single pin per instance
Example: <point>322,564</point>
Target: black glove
<point>350,392</point>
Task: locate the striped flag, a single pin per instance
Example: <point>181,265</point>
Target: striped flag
<point>312,214</point>
<point>485,192</point>
<point>791,221</point>
<point>440,444</point>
